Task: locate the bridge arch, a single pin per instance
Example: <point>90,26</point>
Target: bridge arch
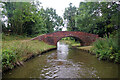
<point>52,38</point>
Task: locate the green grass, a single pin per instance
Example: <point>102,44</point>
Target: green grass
<point>17,50</point>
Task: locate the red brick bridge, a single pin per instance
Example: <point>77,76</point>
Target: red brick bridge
<point>52,38</point>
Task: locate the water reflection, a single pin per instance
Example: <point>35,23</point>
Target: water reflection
<point>62,51</point>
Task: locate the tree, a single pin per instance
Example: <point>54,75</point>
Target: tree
<point>51,19</point>
<point>69,14</point>
<point>18,13</point>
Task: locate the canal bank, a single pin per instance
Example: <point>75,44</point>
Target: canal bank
<point>64,62</point>
<point>86,49</point>
<point>16,52</point>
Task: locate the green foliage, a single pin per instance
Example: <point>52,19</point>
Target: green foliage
<point>107,48</point>
<point>51,20</point>
<point>18,13</point>
<point>8,58</point>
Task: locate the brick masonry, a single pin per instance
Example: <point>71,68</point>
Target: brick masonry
<point>52,38</point>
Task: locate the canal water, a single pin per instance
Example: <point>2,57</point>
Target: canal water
<point>65,62</point>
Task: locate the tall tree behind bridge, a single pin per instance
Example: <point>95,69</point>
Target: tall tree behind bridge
<point>51,19</point>
<point>69,14</point>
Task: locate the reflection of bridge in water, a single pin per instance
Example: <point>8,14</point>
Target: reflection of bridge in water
<point>52,38</point>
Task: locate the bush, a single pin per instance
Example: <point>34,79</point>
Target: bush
<point>8,58</point>
<point>107,49</point>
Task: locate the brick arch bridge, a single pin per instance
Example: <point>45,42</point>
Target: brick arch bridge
<point>52,38</point>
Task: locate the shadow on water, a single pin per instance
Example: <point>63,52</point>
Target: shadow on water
<point>65,62</point>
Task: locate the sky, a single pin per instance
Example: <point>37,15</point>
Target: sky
<point>59,5</point>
